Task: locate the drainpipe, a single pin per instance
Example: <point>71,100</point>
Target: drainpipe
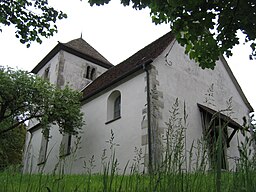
<point>146,69</point>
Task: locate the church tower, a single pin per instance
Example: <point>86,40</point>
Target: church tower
<point>75,64</point>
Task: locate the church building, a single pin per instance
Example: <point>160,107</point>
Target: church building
<point>131,107</point>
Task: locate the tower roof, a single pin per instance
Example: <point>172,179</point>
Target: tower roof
<point>82,46</point>
<point>78,47</point>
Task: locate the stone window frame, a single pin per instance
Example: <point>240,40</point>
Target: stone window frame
<point>90,72</point>
<point>114,106</point>
<point>65,146</point>
<point>43,149</point>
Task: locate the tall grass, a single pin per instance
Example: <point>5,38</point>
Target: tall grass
<point>181,170</point>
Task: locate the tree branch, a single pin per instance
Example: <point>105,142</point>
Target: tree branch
<point>13,126</point>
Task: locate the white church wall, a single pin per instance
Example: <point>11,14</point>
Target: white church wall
<point>33,146</point>
<point>63,69</point>
<point>97,131</point>
<point>127,129</point>
<point>173,77</point>
<point>183,79</point>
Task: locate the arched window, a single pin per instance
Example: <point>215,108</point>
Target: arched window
<point>93,74</point>
<point>88,72</point>
<point>117,107</point>
<point>114,106</point>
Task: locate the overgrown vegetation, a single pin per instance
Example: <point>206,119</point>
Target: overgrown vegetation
<point>32,19</point>
<point>11,147</point>
<point>187,182</point>
<point>207,29</point>
<point>25,96</point>
<point>181,169</point>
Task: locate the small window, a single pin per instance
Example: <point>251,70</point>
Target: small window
<point>114,106</point>
<point>88,72</point>
<point>93,74</point>
<point>117,107</point>
<point>65,148</point>
<point>46,73</point>
<point>43,148</point>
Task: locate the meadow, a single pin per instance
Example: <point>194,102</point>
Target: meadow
<point>178,171</point>
<point>243,180</point>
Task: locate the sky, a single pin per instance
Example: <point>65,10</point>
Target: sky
<point>116,32</point>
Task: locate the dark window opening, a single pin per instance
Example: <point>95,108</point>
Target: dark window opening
<point>65,148</point>
<point>43,148</point>
<point>93,74</point>
<point>88,72</point>
<point>114,106</point>
<point>117,107</point>
<point>46,73</point>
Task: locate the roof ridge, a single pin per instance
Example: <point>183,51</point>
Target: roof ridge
<point>79,44</point>
<point>148,46</point>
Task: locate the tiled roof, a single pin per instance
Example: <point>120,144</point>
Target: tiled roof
<point>129,66</point>
<point>83,47</point>
<point>78,47</point>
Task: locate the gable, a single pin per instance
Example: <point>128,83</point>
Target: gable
<point>233,79</point>
<point>136,61</point>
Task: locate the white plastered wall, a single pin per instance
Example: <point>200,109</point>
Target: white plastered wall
<point>64,69</point>
<point>34,138</point>
<point>182,78</point>
<point>179,78</point>
<point>127,130</point>
<point>95,133</point>
<point>75,70</point>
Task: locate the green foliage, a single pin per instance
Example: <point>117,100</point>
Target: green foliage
<point>24,96</point>
<point>185,182</point>
<point>32,19</point>
<point>11,147</point>
<point>175,178</point>
<point>207,29</point>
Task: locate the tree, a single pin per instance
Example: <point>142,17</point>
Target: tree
<point>11,147</point>
<point>207,28</point>
<point>24,96</point>
<point>33,19</point>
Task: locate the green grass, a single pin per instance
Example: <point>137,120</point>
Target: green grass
<point>177,172</point>
<point>182,182</point>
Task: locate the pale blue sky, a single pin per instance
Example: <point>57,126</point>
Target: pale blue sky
<point>116,32</point>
